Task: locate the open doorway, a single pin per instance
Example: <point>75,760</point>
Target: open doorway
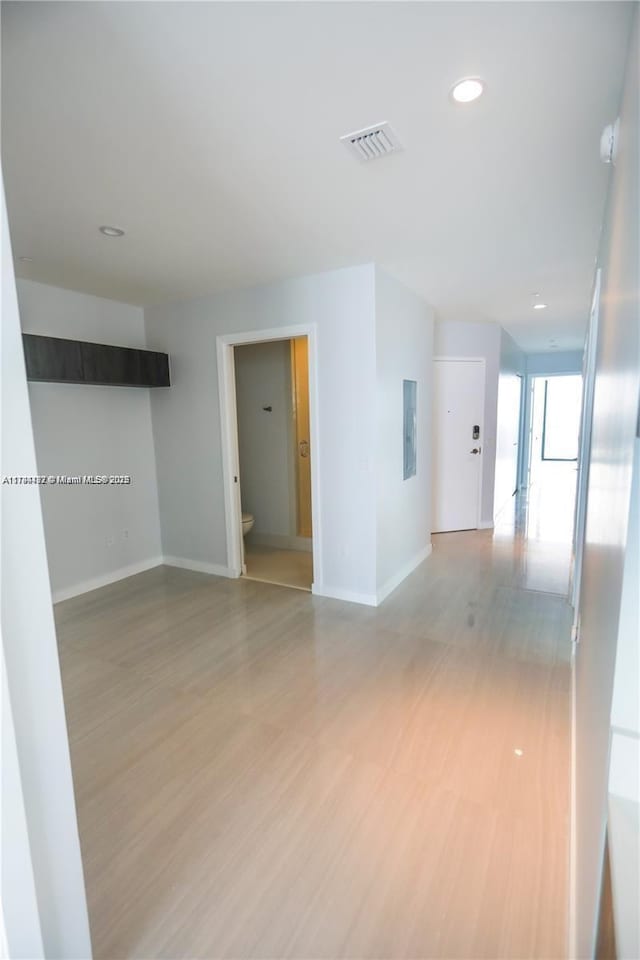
<point>274,460</point>
<point>553,455</point>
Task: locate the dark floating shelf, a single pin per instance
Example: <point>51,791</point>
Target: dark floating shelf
<point>54,360</point>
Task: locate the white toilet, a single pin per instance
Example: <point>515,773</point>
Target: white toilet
<point>247,523</point>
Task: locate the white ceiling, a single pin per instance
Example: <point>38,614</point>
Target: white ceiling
<point>210,133</point>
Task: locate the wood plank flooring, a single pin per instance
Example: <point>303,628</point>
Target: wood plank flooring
<point>263,773</point>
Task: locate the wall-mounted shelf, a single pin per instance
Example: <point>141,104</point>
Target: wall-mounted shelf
<point>54,360</point>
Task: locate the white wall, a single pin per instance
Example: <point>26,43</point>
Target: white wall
<point>33,682</point>
<point>265,438</point>
<point>625,709</point>
<point>88,429</point>
<point>20,931</point>
<point>186,419</point>
<point>624,764</point>
<point>404,351</point>
<point>454,338</point>
<point>614,425</point>
<point>554,362</point>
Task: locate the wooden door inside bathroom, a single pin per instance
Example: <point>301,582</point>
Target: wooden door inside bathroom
<point>300,405</point>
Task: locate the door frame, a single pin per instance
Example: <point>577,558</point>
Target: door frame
<point>584,451</point>
<point>296,419</point>
<point>483,362</point>
<point>225,344</point>
<point>521,429</point>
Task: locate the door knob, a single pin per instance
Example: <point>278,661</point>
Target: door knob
<point>475,450</point>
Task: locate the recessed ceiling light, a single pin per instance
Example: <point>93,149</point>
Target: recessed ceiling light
<point>539,306</point>
<point>518,752</point>
<point>112,231</point>
<point>25,259</point>
<point>467,90</point>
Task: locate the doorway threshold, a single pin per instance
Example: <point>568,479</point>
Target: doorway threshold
<point>276,583</point>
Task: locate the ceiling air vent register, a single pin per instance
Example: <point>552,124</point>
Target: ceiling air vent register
<point>372,142</point>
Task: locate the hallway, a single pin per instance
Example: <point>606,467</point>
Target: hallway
<point>263,773</point>
<point>543,518</point>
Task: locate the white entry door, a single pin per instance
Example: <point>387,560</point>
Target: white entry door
<point>458,439</point>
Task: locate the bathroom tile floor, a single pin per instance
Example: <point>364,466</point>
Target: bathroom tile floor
<point>288,568</point>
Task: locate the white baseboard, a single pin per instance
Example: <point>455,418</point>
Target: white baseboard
<point>395,581</point>
<point>485,525</point>
<point>281,542</point>
<point>220,570</point>
<point>373,599</point>
<point>351,596</point>
<point>200,566</point>
<point>103,581</point>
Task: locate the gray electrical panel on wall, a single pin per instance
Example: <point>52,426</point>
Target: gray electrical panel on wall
<point>409,395</point>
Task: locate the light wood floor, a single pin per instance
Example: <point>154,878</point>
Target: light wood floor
<point>262,773</point>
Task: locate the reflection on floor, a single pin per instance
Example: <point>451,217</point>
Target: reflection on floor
<point>551,501</point>
<point>288,568</point>
<point>543,519</point>
<point>264,773</point>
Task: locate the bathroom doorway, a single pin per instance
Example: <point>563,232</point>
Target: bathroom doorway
<point>275,460</point>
